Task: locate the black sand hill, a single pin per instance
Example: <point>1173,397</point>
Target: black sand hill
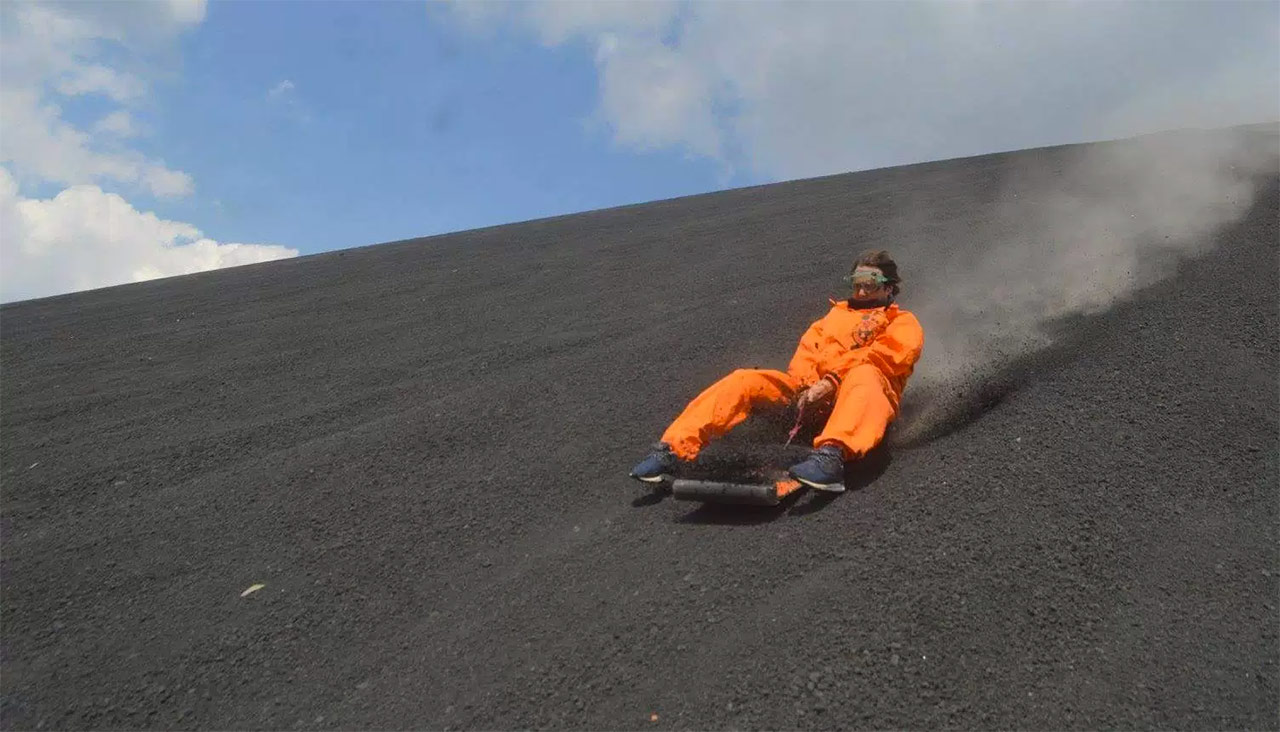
<point>420,449</point>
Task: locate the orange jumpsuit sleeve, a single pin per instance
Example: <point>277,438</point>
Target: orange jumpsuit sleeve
<point>804,363</point>
<point>894,352</point>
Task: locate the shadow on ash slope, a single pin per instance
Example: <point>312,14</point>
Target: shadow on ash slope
<point>1066,243</point>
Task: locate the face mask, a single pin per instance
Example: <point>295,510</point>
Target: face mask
<point>872,301</point>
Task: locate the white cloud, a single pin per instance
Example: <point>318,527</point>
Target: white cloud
<point>284,96</point>
<point>85,238</point>
<point>788,90</point>
<point>101,80</point>
<point>41,146</point>
<point>118,124</point>
<point>654,97</point>
<point>566,20</point>
<point>281,89</point>
<point>54,50</point>
<point>165,182</point>
<point>185,12</point>
<point>558,22</point>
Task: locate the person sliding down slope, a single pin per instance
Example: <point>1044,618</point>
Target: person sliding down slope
<point>862,352</point>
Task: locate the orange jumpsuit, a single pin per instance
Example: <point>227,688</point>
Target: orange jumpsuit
<point>867,354</point>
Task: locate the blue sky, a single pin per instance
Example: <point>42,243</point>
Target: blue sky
<point>148,139</point>
<point>390,126</point>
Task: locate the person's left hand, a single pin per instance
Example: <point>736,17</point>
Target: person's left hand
<point>817,392</point>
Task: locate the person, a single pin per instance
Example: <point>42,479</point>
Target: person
<point>861,353</point>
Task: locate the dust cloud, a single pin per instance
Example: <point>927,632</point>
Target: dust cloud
<point>1065,240</point>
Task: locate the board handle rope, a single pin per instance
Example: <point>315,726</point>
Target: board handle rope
<point>796,429</point>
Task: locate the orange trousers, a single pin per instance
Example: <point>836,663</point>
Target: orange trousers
<point>864,407</point>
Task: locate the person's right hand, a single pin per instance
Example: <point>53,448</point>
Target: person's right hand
<point>816,393</point>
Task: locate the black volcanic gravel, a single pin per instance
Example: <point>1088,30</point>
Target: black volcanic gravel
<point>420,450</point>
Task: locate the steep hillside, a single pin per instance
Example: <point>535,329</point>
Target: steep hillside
<point>420,450</point>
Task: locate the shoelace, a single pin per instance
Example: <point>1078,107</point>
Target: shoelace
<point>829,462</point>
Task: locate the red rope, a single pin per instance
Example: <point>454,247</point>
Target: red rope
<point>799,421</point>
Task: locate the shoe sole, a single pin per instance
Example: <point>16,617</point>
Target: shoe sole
<point>664,478</point>
<point>825,487</point>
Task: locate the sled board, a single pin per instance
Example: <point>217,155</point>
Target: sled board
<point>749,466</point>
<point>712,491</point>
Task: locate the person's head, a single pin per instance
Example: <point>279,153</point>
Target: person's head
<point>874,276</point>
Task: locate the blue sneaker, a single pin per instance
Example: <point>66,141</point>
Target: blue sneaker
<point>658,466</point>
<point>824,470</point>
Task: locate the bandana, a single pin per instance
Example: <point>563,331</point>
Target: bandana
<point>870,302</point>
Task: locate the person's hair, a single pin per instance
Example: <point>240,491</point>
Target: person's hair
<point>880,258</point>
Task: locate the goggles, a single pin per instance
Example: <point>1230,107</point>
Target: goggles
<point>869,279</point>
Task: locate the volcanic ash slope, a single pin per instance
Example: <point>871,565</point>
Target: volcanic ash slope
<point>419,450</point>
